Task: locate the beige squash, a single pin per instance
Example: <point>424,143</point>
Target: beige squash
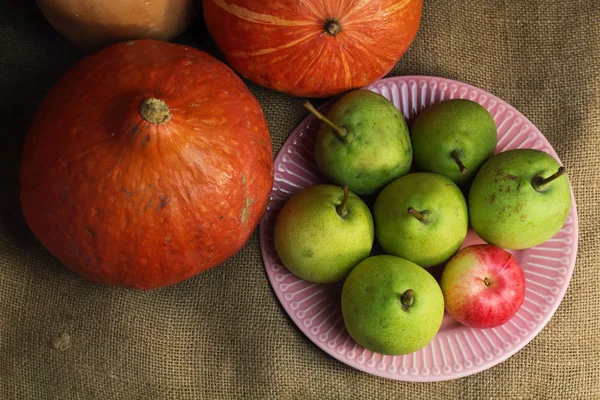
<point>93,24</point>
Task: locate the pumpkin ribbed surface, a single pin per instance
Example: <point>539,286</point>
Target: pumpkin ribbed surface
<point>313,48</point>
<point>127,193</point>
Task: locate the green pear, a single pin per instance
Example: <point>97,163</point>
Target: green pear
<point>421,217</point>
<point>391,305</point>
<point>453,138</point>
<point>322,232</point>
<point>363,142</point>
<point>519,199</point>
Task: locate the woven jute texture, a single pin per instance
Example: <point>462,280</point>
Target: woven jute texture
<point>223,333</point>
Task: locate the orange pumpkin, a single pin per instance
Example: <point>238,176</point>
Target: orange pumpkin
<point>92,24</point>
<point>147,163</point>
<point>313,48</point>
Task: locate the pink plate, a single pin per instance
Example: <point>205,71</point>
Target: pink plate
<point>456,351</point>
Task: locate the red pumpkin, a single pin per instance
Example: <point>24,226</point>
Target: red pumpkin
<point>147,163</point>
<point>313,48</point>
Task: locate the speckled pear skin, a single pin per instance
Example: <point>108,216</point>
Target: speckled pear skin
<point>453,128</point>
<point>506,209</point>
<point>375,314</point>
<point>376,149</point>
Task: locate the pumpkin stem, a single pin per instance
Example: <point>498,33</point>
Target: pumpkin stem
<point>332,26</point>
<point>155,111</point>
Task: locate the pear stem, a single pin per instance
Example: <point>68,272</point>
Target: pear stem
<point>340,132</point>
<point>539,182</point>
<point>461,166</point>
<point>342,209</point>
<point>407,299</point>
<point>421,216</point>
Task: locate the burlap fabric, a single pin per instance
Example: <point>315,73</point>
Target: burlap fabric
<point>223,334</point>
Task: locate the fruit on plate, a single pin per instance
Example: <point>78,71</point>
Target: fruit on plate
<point>421,217</point>
<point>93,24</point>
<point>391,305</point>
<point>362,142</point>
<point>519,199</point>
<point>453,138</point>
<point>147,163</point>
<point>313,48</point>
<point>322,232</point>
<point>483,286</point>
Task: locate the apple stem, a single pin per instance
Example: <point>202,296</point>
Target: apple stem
<point>486,281</point>
<point>461,166</point>
<point>340,132</point>
<point>422,216</point>
<point>407,299</point>
<point>539,182</point>
<point>342,209</point>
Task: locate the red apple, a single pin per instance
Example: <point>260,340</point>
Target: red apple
<point>483,286</point>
